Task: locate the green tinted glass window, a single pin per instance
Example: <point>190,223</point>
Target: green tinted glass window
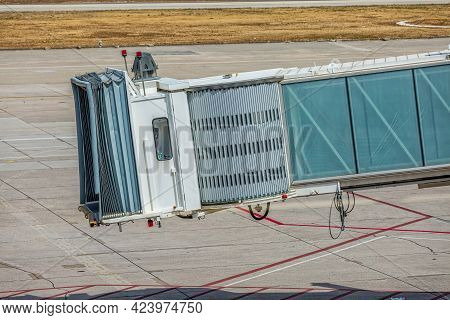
<point>161,133</point>
<point>433,97</point>
<point>320,138</point>
<point>385,121</point>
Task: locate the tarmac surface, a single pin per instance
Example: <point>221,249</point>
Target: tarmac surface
<point>206,5</point>
<point>396,244</point>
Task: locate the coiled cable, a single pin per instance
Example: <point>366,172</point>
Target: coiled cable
<point>342,209</point>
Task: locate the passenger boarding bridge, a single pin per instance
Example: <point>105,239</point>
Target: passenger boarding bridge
<point>153,147</point>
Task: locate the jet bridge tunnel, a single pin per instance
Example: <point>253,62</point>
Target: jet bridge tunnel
<point>190,145</point>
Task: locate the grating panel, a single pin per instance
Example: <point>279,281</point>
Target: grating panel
<point>239,142</point>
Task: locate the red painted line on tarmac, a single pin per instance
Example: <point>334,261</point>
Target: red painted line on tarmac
<point>390,295</point>
<point>366,228</point>
<point>394,205</point>
<point>113,292</point>
<point>333,227</point>
<point>295,295</point>
<point>249,294</point>
<point>277,222</point>
<point>376,231</point>
<point>67,292</point>
<point>441,296</point>
<point>17,293</point>
<point>39,289</point>
<point>311,253</point>
<point>349,292</point>
<point>258,215</point>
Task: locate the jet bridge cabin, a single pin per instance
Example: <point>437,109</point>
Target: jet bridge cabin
<point>153,147</point>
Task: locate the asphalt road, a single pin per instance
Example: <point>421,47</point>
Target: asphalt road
<point>206,5</point>
<point>397,248</point>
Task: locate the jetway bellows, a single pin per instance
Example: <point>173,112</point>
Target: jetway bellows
<point>108,173</point>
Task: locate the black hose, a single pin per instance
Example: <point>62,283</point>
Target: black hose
<point>259,217</point>
<point>329,221</point>
<point>353,202</point>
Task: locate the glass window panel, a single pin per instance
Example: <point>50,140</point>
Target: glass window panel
<point>162,139</point>
<point>319,129</point>
<point>385,121</point>
<point>433,96</point>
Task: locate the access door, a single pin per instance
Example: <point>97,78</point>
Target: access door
<point>156,156</point>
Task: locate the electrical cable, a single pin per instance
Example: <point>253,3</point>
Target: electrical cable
<point>343,210</point>
<point>350,207</point>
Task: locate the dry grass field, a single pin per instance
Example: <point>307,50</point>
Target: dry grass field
<point>172,27</point>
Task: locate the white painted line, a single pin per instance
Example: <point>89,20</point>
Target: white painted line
<point>305,261</point>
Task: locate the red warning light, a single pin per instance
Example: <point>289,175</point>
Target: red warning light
<point>139,54</point>
<point>124,53</point>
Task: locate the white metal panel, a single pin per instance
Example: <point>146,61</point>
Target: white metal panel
<point>185,149</point>
<point>156,177</point>
<point>237,78</point>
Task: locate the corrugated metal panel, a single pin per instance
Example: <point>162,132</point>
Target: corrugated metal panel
<point>239,142</point>
<point>103,123</point>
